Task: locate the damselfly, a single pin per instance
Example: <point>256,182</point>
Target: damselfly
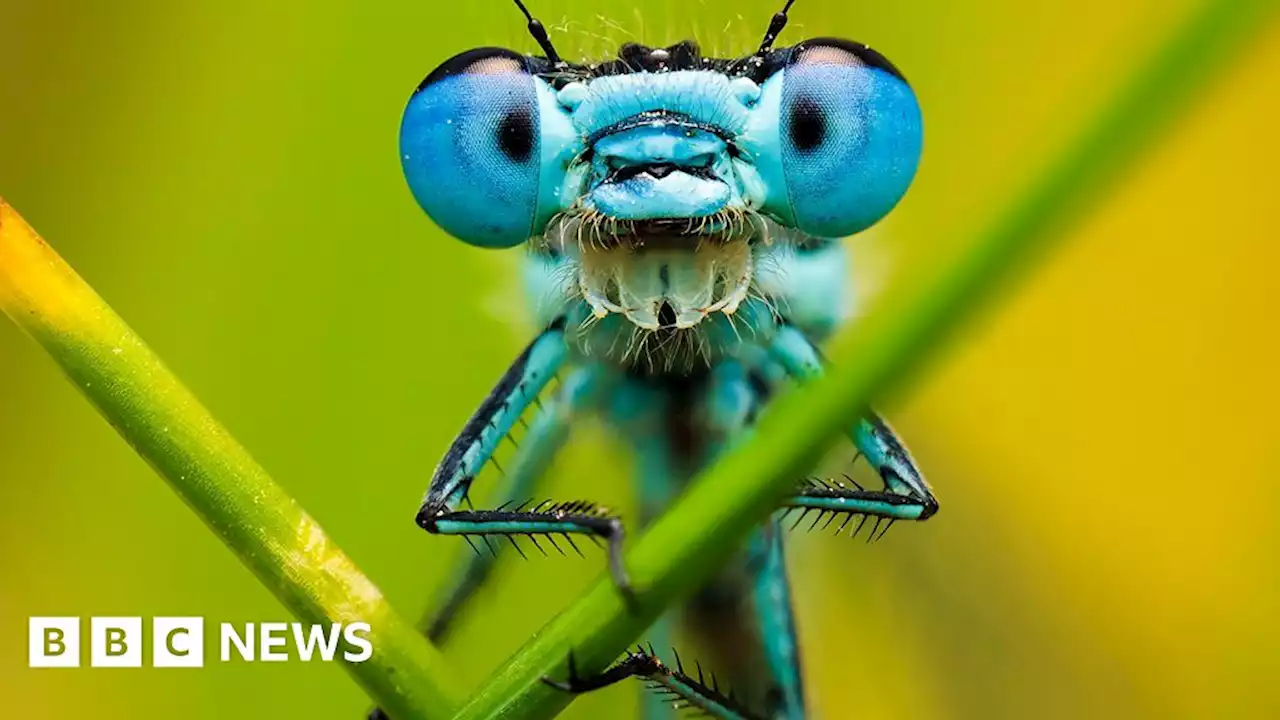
<point>682,216</point>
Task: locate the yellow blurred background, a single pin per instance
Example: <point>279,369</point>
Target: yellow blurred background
<point>1105,444</point>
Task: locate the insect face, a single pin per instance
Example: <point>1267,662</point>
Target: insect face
<point>659,173</point>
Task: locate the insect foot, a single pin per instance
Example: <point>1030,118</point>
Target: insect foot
<point>528,521</point>
<point>702,694</point>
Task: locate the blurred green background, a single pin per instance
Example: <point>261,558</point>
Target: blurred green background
<point>1105,445</point>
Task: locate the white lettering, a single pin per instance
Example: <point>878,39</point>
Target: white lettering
<point>270,636</point>
<point>231,637</point>
<point>314,638</point>
<point>366,647</point>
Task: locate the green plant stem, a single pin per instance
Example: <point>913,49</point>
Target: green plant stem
<point>288,551</point>
<point>713,518</point>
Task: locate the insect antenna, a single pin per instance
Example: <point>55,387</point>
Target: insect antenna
<point>776,26</point>
<point>539,33</point>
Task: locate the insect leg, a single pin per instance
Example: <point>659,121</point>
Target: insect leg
<point>906,494</point>
<point>516,390</point>
<point>547,518</point>
<point>674,686</point>
<point>575,517</point>
<point>546,435</point>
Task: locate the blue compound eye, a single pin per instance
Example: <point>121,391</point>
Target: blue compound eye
<point>850,135</point>
<point>469,142</point>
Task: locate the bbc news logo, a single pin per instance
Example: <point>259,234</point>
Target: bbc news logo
<point>55,642</point>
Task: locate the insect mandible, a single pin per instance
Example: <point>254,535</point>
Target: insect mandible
<point>682,217</point>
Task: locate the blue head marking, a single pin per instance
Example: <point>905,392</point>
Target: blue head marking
<point>823,137</point>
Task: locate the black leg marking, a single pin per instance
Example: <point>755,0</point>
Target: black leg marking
<point>684,691</point>
<point>637,664</point>
<point>516,390</point>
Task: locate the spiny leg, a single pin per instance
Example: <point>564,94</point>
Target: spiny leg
<point>673,684</point>
<point>537,449</point>
<point>906,494</point>
<point>490,425</point>
<point>518,388</point>
<point>832,499</point>
<point>480,437</point>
